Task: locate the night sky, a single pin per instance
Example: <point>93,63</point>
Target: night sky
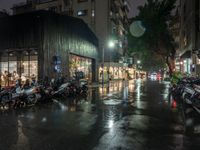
<point>7,4</point>
<point>134,4</point>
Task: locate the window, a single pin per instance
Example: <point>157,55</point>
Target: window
<point>80,64</point>
<point>82,12</point>
<point>14,64</point>
<point>93,13</point>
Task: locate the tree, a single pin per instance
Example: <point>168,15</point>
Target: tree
<point>4,13</point>
<point>157,41</point>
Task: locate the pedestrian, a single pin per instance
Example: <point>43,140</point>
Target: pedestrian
<point>5,78</point>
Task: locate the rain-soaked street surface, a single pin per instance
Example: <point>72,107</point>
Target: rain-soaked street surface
<point>134,115</point>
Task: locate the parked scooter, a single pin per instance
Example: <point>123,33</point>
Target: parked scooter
<point>6,98</point>
<point>61,90</point>
<point>83,89</point>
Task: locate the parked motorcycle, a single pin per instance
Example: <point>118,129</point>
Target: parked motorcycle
<point>61,91</point>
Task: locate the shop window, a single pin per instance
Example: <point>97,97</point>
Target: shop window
<point>80,66</point>
<point>14,65</point>
<point>8,67</point>
<point>93,13</point>
<point>29,65</point>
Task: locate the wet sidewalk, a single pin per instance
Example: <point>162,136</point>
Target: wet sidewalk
<point>100,84</point>
<point>134,115</point>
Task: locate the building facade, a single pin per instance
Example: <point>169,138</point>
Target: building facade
<point>190,36</point>
<point>108,19</point>
<point>45,44</point>
<point>174,28</point>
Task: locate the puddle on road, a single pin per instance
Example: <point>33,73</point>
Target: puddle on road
<point>104,108</point>
<point>112,102</point>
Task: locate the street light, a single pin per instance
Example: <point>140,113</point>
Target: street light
<point>138,61</point>
<point>110,44</point>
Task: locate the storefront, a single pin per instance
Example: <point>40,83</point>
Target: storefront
<point>15,64</point>
<point>131,72</point>
<point>44,44</point>
<point>116,71</point>
<point>80,67</point>
<point>186,62</point>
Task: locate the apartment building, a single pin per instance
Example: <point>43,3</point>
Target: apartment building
<point>174,27</point>
<point>108,19</point>
<point>32,5</point>
<point>190,36</point>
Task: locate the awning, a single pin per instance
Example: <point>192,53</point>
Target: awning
<point>186,54</point>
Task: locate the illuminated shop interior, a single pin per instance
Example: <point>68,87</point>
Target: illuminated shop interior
<point>18,64</point>
<point>80,64</point>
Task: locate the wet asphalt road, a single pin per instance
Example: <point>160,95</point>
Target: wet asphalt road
<point>135,115</point>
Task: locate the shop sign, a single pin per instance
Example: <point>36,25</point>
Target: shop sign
<point>57,64</point>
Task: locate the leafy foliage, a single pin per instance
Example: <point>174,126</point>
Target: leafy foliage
<point>157,44</point>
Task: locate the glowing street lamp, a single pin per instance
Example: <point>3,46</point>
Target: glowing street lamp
<point>111,44</point>
<point>138,62</point>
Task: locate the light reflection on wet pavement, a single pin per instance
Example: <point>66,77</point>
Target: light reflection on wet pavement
<point>134,115</point>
